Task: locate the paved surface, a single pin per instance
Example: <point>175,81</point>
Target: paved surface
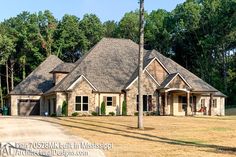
<point>33,135</point>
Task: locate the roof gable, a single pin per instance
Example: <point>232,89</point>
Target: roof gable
<point>108,65</point>
<point>157,70</point>
<point>81,78</point>
<point>39,80</point>
<point>176,81</point>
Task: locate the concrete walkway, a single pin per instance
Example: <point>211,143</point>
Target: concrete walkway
<point>32,134</point>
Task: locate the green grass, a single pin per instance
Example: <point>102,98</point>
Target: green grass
<point>221,129</point>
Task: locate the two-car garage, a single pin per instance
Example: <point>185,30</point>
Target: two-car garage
<point>28,107</point>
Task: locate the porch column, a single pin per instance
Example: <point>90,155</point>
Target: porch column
<point>210,104</point>
<point>188,104</point>
<point>165,105</point>
<point>99,105</point>
<point>158,102</point>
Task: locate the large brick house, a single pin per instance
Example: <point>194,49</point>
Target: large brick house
<point>108,73</point>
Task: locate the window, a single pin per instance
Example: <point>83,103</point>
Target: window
<point>109,101</point>
<point>202,102</point>
<point>215,103</point>
<point>147,102</point>
<point>182,103</point>
<point>81,103</point>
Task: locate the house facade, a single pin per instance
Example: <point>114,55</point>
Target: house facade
<point>109,73</point>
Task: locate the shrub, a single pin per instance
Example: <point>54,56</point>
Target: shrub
<point>94,113</point>
<point>64,108</point>
<point>112,113</point>
<point>124,108</point>
<point>53,115</point>
<point>75,114</point>
<point>151,113</point>
<point>136,113</point>
<point>103,108</point>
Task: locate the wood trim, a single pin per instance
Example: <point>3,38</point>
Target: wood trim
<point>114,101</point>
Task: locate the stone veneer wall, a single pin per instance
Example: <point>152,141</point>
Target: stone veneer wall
<point>82,89</point>
<point>149,89</point>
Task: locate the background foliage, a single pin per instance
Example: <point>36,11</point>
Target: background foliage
<point>199,34</point>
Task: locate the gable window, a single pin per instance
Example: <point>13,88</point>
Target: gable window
<point>147,103</point>
<point>109,101</point>
<point>81,103</point>
<point>214,103</point>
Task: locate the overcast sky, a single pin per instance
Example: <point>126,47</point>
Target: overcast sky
<point>104,9</point>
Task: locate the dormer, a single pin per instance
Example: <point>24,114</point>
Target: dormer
<point>61,71</point>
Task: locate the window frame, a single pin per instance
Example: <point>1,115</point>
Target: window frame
<point>214,103</point>
<point>110,101</point>
<point>203,102</point>
<point>148,97</point>
<point>81,103</point>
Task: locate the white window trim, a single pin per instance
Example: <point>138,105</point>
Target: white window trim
<point>81,103</point>
<point>109,101</point>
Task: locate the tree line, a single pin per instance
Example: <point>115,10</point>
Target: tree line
<point>200,35</point>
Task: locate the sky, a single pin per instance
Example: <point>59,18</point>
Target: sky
<point>104,9</point>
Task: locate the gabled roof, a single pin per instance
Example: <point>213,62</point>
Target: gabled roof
<point>108,65</point>
<point>63,68</point>
<point>170,78</point>
<point>196,83</point>
<point>40,80</point>
<point>173,67</point>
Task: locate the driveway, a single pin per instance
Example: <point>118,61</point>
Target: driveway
<point>34,135</point>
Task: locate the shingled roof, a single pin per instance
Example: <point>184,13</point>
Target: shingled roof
<point>111,65</point>
<point>108,66</point>
<point>63,68</point>
<point>40,80</point>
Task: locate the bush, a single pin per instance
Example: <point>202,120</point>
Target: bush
<point>94,113</point>
<point>112,113</point>
<point>103,108</point>
<point>53,115</point>
<point>64,108</point>
<point>136,113</point>
<point>75,114</point>
<point>124,108</point>
<point>151,113</point>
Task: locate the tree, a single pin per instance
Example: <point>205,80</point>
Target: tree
<point>128,27</point>
<point>103,108</point>
<point>140,77</point>
<point>6,48</point>
<point>157,35</point>
<point>47,26</point>
<point>124,108</point>
<point>92,29</point>
<point>70,39</point>
<point>110,28</point>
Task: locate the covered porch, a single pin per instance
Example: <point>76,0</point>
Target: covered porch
<point>182,102</point>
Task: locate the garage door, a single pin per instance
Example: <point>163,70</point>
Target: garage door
<point>28,107</point>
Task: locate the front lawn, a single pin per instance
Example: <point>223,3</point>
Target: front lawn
<point>164,136</point>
